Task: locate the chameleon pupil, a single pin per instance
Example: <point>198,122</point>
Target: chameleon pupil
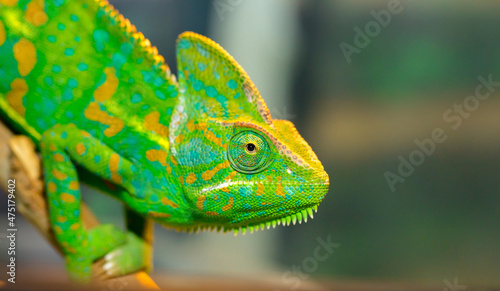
<point>250,147</point>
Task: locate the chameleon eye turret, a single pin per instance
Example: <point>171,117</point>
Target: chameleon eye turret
<point>249,152</point>
<point>200,151</point>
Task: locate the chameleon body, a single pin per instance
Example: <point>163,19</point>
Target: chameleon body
<point>202,152</point>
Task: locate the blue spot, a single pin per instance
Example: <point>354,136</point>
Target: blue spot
<point>69,114</point>
<point>184,44</point>
<point>52,38</point>
<point>160,95</point>
<point>136,98</point>
<point>76,212</point>
<point>118,60</point>
<point>131,80</point>
<point>64,134</point>
<point>202,66</point>
<point>197,85</point>
<point>211,91</point>
<point>202,51</point>
<point>48,80</point>
<point>237,95</point>
<point>153,198</point>
<point>147,76</point>
<point>97,158</point>
<point>145,107</point>
<point>101,37</point>
<point>69,52</point>
<point>72,83</point>
<point>158,81</point>
<point>73,17</point>
<point>77,38</point>
<point>126,48</point>
<point>61,26</point>
<point>56,68</point>
<point>58,3</point>
<point>232,84</point>
<point>67,95</point>
<point>82,66</point>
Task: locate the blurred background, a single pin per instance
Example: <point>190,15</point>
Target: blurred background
<point>365,82</point>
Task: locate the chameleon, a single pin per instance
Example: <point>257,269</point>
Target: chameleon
<point>199,151</point>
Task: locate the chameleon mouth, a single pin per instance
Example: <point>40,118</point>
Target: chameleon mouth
<point>297,217</point>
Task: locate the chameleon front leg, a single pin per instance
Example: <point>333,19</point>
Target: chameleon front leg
<point>62,147</point>
<point>137,253</point>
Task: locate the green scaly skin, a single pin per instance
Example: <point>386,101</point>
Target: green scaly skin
<point>202,152</point>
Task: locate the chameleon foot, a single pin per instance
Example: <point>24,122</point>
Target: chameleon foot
<point>133,256</point>
<point>105,238</point>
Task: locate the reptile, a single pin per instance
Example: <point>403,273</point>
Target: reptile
<point>199,151</point>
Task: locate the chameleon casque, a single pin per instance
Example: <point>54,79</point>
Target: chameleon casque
<point>200,151</point>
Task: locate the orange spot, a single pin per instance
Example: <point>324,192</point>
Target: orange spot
<point>260,189</point>
<point>84,133</point>
<point>75,226</point>
<point>230,176</point>
<point>3,34</point>
<point>114,160</point>
<point>169,169</point>
<point>8,2</point>
<point>158,214</point>
<point>51,187</point>
<point>190,125</point>
<point>25,55</point>
<point>225,189</point>
<point>18,89</point>
<point>59,175</point>
<point>94,113</point>
<point>166,201</point>
<point>173,160</point>
<point>207,175</point>
<point>181,180</point>
<point>74,185</point>
<point>35,13</point>
<point>229,204</point>
<point>152,123</point>
<point>67,198</point>
<point>108,88</point>
<point>279,190</point>
<point>213,138</point>
<point>191,178</point>
<point>157,156</point>
<point>211,213</point>
<point>58,157</point>
<point>58,229</point>
<point>52,147</point>
<point>199,202</point>
<point>80,148</point>
<point>179,138</point>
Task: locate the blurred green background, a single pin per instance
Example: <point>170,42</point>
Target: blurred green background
<point>360,114</point>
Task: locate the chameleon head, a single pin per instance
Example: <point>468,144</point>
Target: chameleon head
<point>239,167</point>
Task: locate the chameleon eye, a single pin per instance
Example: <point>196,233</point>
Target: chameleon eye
<point>249,152</point>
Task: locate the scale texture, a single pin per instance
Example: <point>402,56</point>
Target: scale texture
<point>200,151</point>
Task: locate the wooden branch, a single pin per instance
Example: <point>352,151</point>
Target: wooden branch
<point>20,161</point>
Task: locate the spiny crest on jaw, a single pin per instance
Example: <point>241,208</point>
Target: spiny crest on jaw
<point>300,216</point>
